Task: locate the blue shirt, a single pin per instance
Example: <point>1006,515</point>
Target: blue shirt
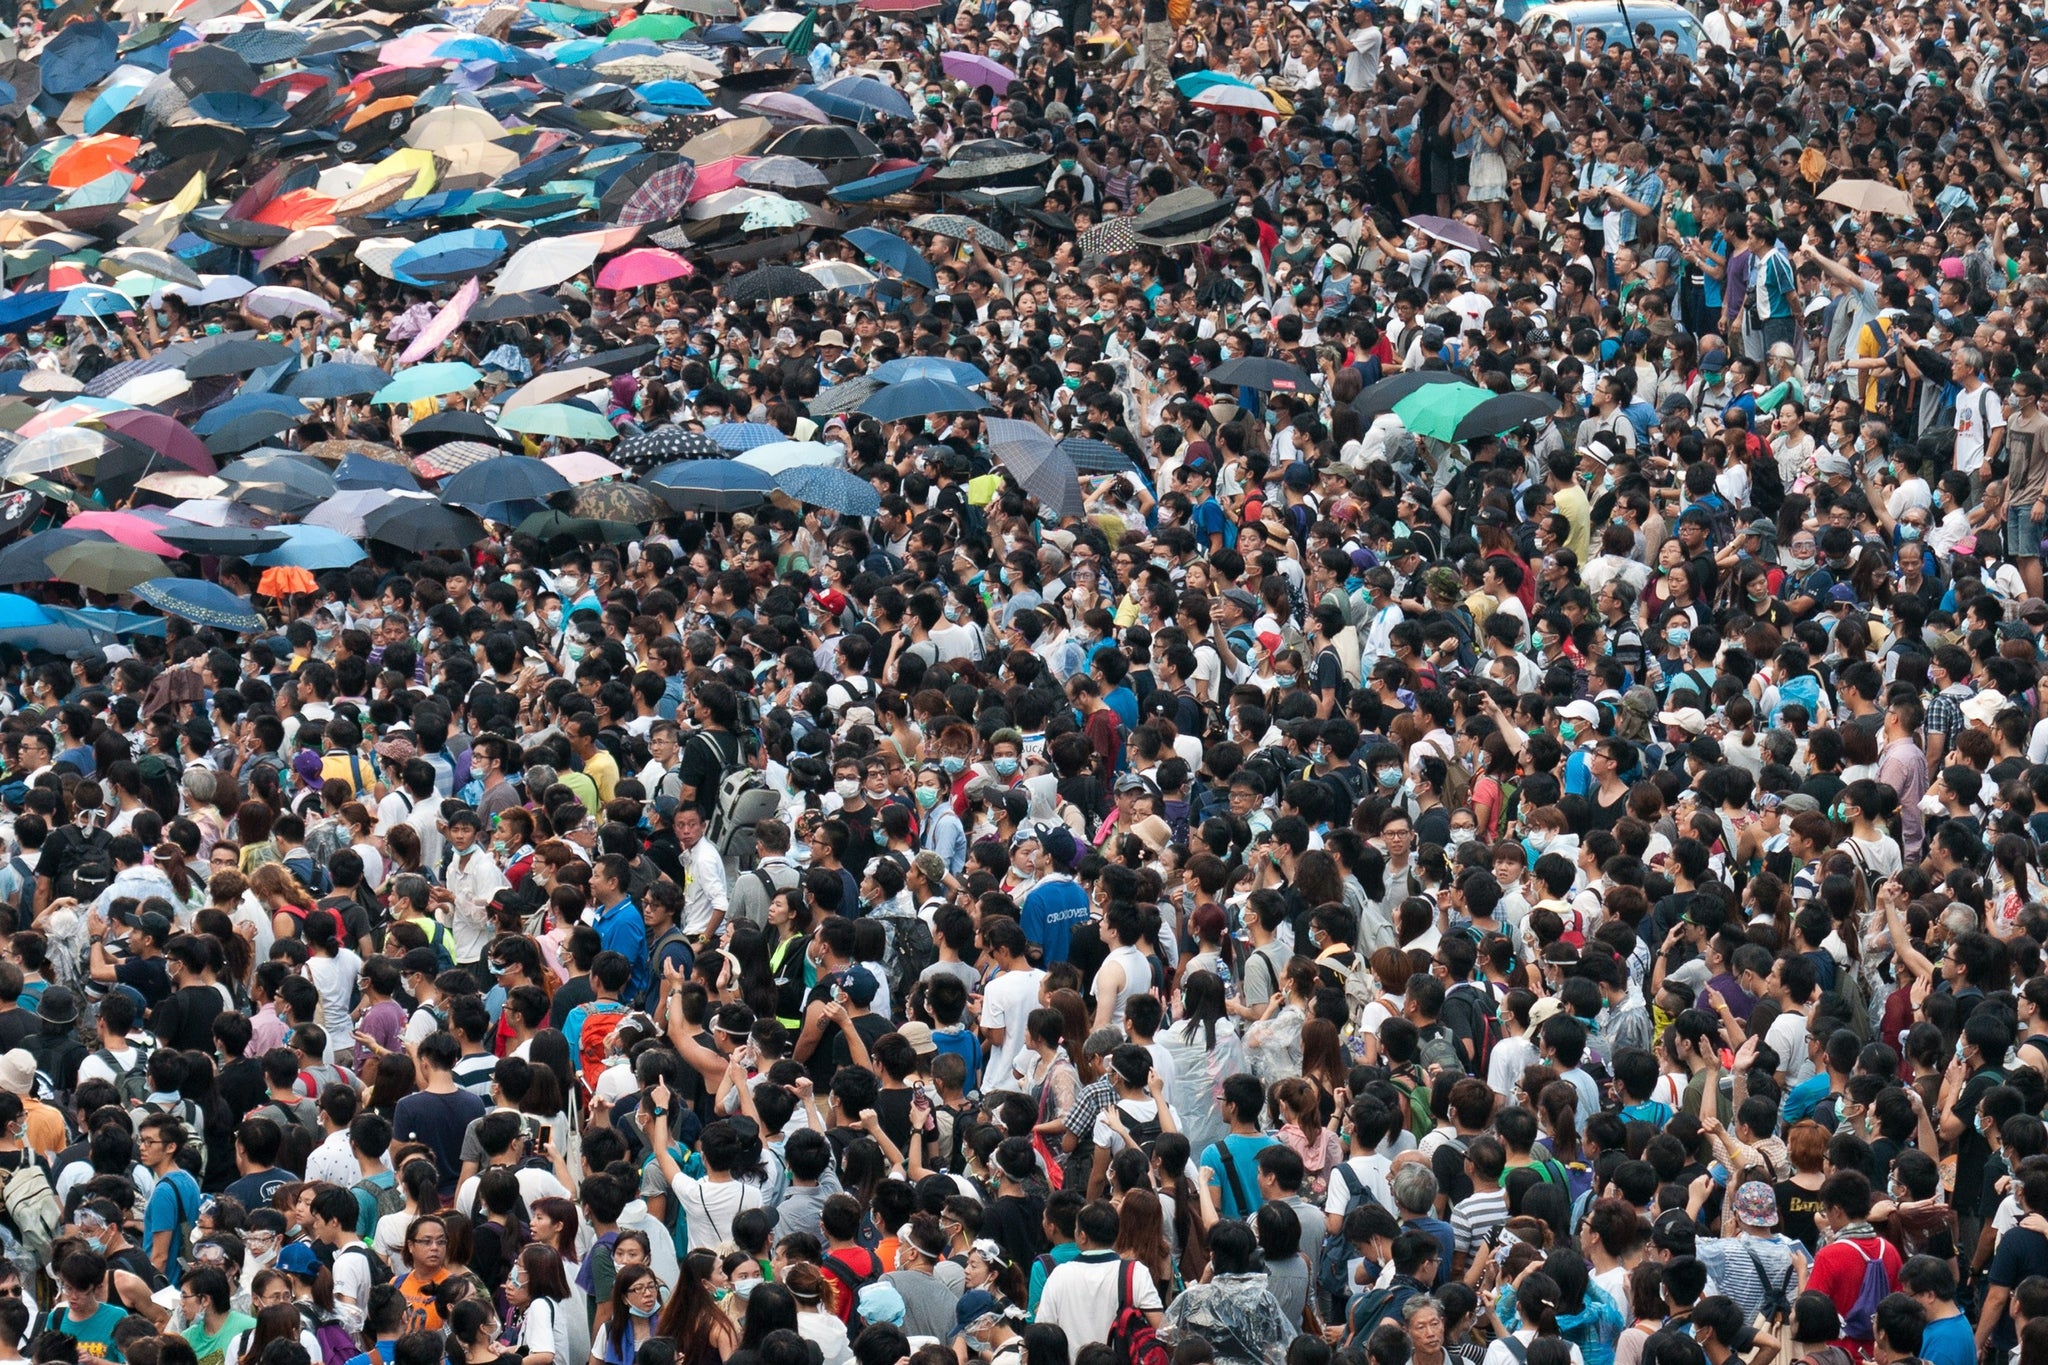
<point>1948,1341</point>
<point>623,931</point>
<point>172,1205</point>
<point>1244,1155</point>
<point>1124,702</point>
<point>1051,911</point>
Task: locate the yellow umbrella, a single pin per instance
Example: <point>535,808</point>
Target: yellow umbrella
<point>417,160</point>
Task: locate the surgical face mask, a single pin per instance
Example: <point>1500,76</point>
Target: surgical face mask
<point>1537,839</point>
<point>927,797</point>
<point>1678,639</point>
<point>35,338</point>
<point>1389,777</point>
<point>1462,837</point>
<point>847,789</point>
<point>1291,231</point>
<point>1006,766</point>
<point>1802,562</point>
<point>1519,380</point>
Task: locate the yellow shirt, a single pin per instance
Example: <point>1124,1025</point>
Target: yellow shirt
<point>1571,501</point>
<point>603,770</point>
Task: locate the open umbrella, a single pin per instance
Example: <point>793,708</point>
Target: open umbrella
<point>965,229</point>
<point>1436,410</point>
<point>771,282</point>
<point>835,490</point>
<point>200,602</point>
<point>977,70</point>
<point>163,434</point>
<point>900,256</point>
<point>1029,455</point>
<point>1261,372</point>
<point>1870,196</point>
<point>929,367</point>
<point>915,398</point>
<point>1503,412</point>
<point>312,547</point>
<point>52,450</point>
<point>777,456</point>
<point>864,93</point>
<point>711,485</point>
<point>429,381</point>
<point>126,529</point>
<point>554,386</point>
<point>508,480</point>
<point>348,511</point>
<point>582,466</point>
<point>105,568</point>
<point>234,357</point>
<point>1450,232</point>
<point>546,262</point>
<point>551,523</point>
<point>277,582</point>
<point>665,444</point>
<point>566,420</point>
<point>418,525</point>
<point>339,380</point>
<point>1380,397</point>
<point>735,437</point>
<point>648,265</point>
<point>613,501</point>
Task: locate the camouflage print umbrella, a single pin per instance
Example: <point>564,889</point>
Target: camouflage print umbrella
<point>619,502</point>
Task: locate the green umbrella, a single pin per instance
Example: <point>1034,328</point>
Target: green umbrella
<point>104,568</point>
<point>559,419</point>
<point>654,28</point>
<point>552,523</point>
<point>1436,411</point>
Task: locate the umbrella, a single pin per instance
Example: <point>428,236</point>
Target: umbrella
<point>1436,410</point>
<point>554,524</point>
<point>277,582</point>
<point>915,398</point>
<point>660,198</point>
<point>1031,457</point>
<point>1097,457</point>
<point>582,466</point>
<point>361,471</point>
<point>18,612</point>
<point>782,173</point>
<point>1502,412</point>
<point>312,547</point>
<point>1450,232</point>
<point>451,316</point>
<point>28,560</point>
<point>1870,196</point>
<point>900,256</point>
<point>782,105</point>
<point>347,512</point>
<point>250,429</point>
<point>560,419</point>
<point>175,484</point>
<point>338,380</point>
<point>418,525</point>
<point>881,185</point>
<point>200,602</point>
<point>1381,397</point>
<point>1111,238</point>
<point>648,265</point>
<point>711,485</point>
<point>234,357</point>
<point>624,360</point>
<point>555,384</point>
<point>1261,372</point>
<point>611,501</point>
<point>777,456</point>
<point>771,282</point>
<point>246,403</point>
<point>165,435</point>
<point>734,437</point>
<point>841,275</point>
<point>665,444</point>
<point>105,568</point>
<point>220,540</point>
<point>835,490</point>
<point>276,300</point>
<point>977,70</point>
<point>53,450</point>
<point>929,367</point>
<point>865,92</point>
<point>845,396</point>
<point>128,530</point>
<point>161,264</point>
<point>450,255</point>
<point>429,381</point>
<point>508,480</point>
<point>452,457</point>
<point>965,229</point>
<point>1235,99</point>
<point>546,262</point>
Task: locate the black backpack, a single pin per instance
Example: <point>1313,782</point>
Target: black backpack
<point>1144,1133</point>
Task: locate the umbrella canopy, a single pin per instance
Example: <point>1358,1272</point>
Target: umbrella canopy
<point>965,229</point>
<point>1029,455</point>
<point>361,471</point>
<point>666,444</point>
<point>105,568</point>
<point>429,381</point>
<point>777,456</point>
<point>348,511</point>
<point>234,357</point>
<point>126,529</point>
<point>19,613</point>
<point>771,282</point>
<point>915,398</point>
<point>611,501</point>
<point>351,380</point>
<point>546,262</point>
<point>1437,409</point>
<point>929,367</point>
<point>418,525</point>
<point>1261,372</point>
<point>61,448</point>
<point>1380,398</point>
<point>311,547</point>
<point>835,490</point>
<point>1450,232</point>
<point>566,420</point>
<point>900,256</point>
<point>554,524</point>
<point>711,485</point>
<point>582,466</point>
<point>165,435</point>
<point>554,385</point>
<point>1870,196</point>
<point>977,70</point>
<point>508,480</point>
<point>288,579</point>
<point>1503,412</point>
<point>739,436</point>
<point>866,93</point>
<point>200,602</point>
<point>647,265</point>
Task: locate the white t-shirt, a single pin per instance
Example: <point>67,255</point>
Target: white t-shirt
<point>711,1205</point>
<point>336,979</point>
<point>1371,1171</point>
<point>1977,416</point>
<point>352,1283</point>
<point>1006,1003</point>
<point>93,1068</point>
<point>1787,1038</point>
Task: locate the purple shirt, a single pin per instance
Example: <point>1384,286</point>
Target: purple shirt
<point>385,1023</point>
<point>1740,1001</point>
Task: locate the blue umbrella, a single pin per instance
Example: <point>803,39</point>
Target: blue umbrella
<point>108,105</point>
<point>915,398</point>
<point>79,57</point>
<point>446,255</point>
<point>360,471</point>
<point>870,188</point>
<point>930,367</point>
<point>17,611</point>
<point>200,602</point>
<point>337,380</point>
<point>497,481</point>
<point>313,547</point>
<point>739,436</point>
<point>26,310</point>
<point>429,381</point>
<point>835,490</point>
<point>108,621</point>
<point>711,485</point>
<point>899,255</point>
<point>867,93</point>
<point>247,404</point>
<point>676,94</point>
<point>239,110</point>
<point>91,300</point>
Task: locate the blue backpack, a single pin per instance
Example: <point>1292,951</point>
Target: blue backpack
<point>1857,1322</point>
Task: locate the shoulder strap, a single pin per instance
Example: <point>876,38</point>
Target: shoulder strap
<point>1127,1287</point>
<point>1230,1174</point>
<point>1351,1182</point>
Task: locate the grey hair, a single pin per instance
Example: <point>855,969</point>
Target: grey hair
<point>412,887</point>
<point>1971,357</point>
<point>1414,1188</point>
<point>1419,1304</point>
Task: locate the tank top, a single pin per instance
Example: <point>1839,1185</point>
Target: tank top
<point>1137,978</point>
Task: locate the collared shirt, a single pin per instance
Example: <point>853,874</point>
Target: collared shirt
<point>473,878</point>
<point>704,891</point>
<point>1088,1107</point>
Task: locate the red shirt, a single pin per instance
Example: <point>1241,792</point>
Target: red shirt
<point>1838,1273</point>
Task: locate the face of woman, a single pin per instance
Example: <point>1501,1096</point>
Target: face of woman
<point>629,1253</point>
<point>979,1273</point>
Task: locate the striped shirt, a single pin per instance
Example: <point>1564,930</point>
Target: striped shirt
<point>1476,1217</point>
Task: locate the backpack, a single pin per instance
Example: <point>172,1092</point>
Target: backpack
<point>380,1269</point>
<point>1131,1334</point>
<point>33,1209</point>
<point>1470,1017</point>
<point>131,1085</point>
<point>1333,1258</point>
<point>910,951</point>
<point>1415,1094</point>
<point>438,938</point>
<point>334,1339</point>
<point>299,1141</point>
<point>387,1198</point>
<point>597,1029</point>
<point>1368,1310</point>
<point>740,778</point>
<point>1144,1133</point>
<point>1357,992</point>
<point>853,1279</point>
<point>1777,1298</point>
<point>1440,1049</point>
<point>1856,1323</point>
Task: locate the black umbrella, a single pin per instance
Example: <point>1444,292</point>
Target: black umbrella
<point>506,307</point>
<point>221,230</point>
<point>205,68</point>
<point>1260,372</point>
<point>772,282</point>
<point>1091,456</point>
<point>222,540</point>
<point>28,561</point>
<point>444,427</point>
<point>664,444</point>
<point>844,396</point>
<point>249,430</point>
<point>623,360</point>
<point>234,357</point>
<point>1504,412</point>
<point>420,525</point>
<point>823,142</point>
<point>1379,399</point>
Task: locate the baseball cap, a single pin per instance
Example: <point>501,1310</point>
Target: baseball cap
<point>1714,361</point>
<point>919,1036</point>
<point>298,1259</point>
<point>859,985</point>
<point>1244,600</point>
<point>1584,712</point>
<point>1686,718</point>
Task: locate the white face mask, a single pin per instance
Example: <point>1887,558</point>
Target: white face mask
<point>847,789</point>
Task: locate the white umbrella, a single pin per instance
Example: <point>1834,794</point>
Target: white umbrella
<point>546,262</point>
<point>738,199</point>
<point>53,450</point>
<point>452,126</point>
<point>777,456</point>
<point>147,389</point>
<point>213,289</point>
<point>271,300</point>
<point>180,484</point>
<point>555,386</point>
<point>218,512</point>
<point>840,274</point>
<point>161,264</point>
<point>303,243</point>
<point>379,252</point>
<point>346,510</point>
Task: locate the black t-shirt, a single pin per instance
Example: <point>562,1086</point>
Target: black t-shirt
<point>1972,1151</point>
<point>1798,1213</point>
<point>439,1120</point>
<point>870,1026</point>
<point>184,1020</point>
<point>577,990</point>
<point>1016,1224</point>
<point>18,1027</point>
<point>892,1107</point>
<point>242,1085</point>
<point>148,975</point>
<point>707,755</point>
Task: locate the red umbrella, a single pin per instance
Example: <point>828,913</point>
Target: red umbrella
<point>647,265</point>
<point>162,434</point>
<point>714,176</point>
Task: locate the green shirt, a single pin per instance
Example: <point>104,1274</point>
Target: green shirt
<point>211,1349</point>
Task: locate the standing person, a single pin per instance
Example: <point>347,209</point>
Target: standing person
<point>1980,420</point>
<point>2026,479</point>
<point>426,1268</point>
<point>1840,1266</point>
<point>81,1314</point>
<point>174,1203</point>
<point>1232,1309</point>
<point>439,1112</point>
<point>211,1322</point>
<point>1084,1296</point>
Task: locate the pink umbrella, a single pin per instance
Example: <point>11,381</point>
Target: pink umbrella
<point>647,265</point>
<point>128,529</point>
<point>165,435</point>
<point>783,107</point>
<point>416,48</point>
<point>582,466</point>
<point>719,175</point>
<point>66,415</point>
<point>977,70</point>
<point>444,324</point>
